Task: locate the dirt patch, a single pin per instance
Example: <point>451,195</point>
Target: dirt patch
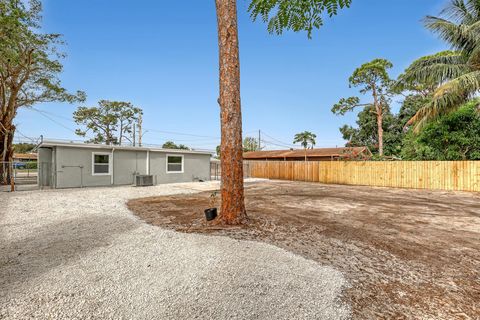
<point>407,253</point>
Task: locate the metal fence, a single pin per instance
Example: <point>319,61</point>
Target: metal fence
<point>23,177</point>
<point>216,170</point>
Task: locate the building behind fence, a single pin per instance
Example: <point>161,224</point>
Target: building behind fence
<point>435,175</point>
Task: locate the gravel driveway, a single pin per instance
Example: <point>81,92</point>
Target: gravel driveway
<point>80,254</point>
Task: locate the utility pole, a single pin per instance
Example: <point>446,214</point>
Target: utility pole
<point>134,134</point>
<point>259,141</point>
<point>140,130</point>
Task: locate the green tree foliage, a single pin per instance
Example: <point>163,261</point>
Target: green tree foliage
<point>366,132</point>
<point>172,145</point>
<point>373,78</point>
<point>397,129</point>
<point>250,144</point>
<point>305,138</point>
<point>23,147</point>
<point>455,74</point>
<point>295,15</point>
<point>454,136</point>
<point>30,63</point>
<point>111,121</point>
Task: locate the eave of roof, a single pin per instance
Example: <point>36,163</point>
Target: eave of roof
<point>47,144</point>
<point>25,155</point>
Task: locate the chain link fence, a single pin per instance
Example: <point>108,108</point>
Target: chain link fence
<point>216,170</point>
<point>16,176</point>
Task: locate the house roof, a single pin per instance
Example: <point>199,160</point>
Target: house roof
<point>311,153</point>
<point>29,156</point>
<point>46,144</point>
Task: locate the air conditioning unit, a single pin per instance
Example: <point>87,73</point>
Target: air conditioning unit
<point>143,181</point>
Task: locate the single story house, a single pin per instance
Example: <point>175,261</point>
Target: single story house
<point>24,157</point>
<point>317,154</point>
<point>76,165</point>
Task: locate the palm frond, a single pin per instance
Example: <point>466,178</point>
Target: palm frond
<point>448,97</point>
<point>458,11</point>
<point>437,68</point>
<point>456,74</point>
<point>459,36</point>
<point>473,6</point>
<point>459,88</point>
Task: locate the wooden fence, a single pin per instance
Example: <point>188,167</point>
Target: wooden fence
<point>439,175</point>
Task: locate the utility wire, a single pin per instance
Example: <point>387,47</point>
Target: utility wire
<point>53,114</point>
<point>29,138</point>
<point>43,113</point>
<point>181,133</point>
<point>277,141</point>
<point>266,142</point>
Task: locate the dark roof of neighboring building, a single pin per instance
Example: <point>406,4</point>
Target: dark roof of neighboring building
<point>29,156</point>
<point>311,153</point>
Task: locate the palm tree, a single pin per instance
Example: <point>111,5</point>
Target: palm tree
<point>305,138</point>
<point>455,74</point>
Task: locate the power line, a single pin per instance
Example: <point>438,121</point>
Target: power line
<point>275,144</point>
<point>185,140</point>
<point>181,133</point>
<point>29,138</point>
<point>203,138</point>
<point>53,114</point>
<point>43,113</point>
<point>278,141</point>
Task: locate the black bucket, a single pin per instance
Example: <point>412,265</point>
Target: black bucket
<point>210,214</point>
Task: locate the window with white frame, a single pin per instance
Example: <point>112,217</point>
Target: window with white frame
<point>100,164</point>
<point>174,163</point>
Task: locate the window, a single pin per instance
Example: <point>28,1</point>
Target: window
<point>101,164</point>
<point>174,164</point>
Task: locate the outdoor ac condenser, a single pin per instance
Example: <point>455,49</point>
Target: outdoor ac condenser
<point>144,181</point>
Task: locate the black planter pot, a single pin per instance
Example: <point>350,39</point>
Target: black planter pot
<point>210,214</point>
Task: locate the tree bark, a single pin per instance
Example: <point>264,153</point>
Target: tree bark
<point>233,203</point>
<point>6,151</point>
<point>380,132</point>
<point>379,110</point>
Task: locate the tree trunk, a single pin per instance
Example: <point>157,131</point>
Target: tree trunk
<point>380,133</point>
<point>6,151</point>
<point>233,204</point>
<point>379,110</point>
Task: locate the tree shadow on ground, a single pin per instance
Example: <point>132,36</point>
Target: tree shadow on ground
<point>53,245</point>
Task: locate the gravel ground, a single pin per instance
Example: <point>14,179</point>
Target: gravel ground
<point>406,254</point>
<point>80,254</point>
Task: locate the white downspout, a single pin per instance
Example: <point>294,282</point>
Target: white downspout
<point>148,162</point>
<point>113,170</point>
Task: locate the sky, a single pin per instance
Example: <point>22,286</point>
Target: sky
<point>162,56</point>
